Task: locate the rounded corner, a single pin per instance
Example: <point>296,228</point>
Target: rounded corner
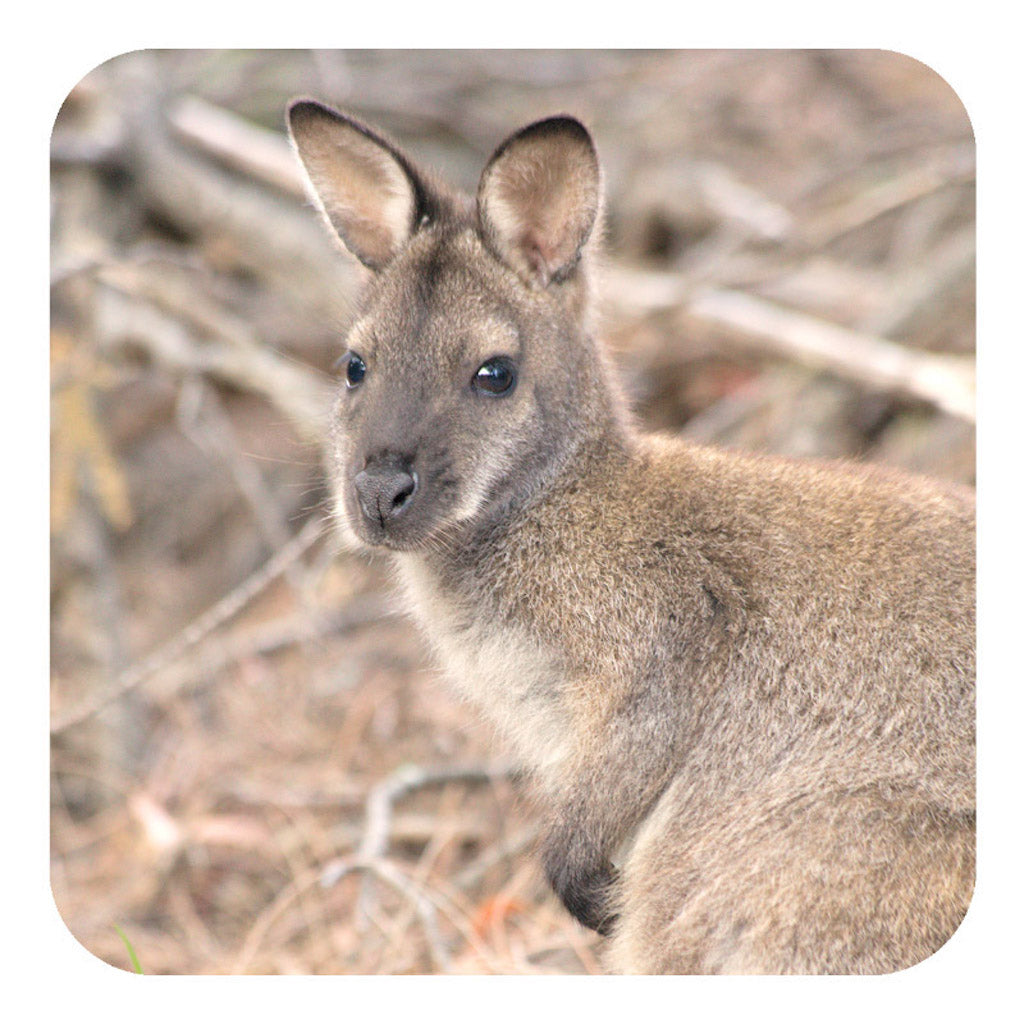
<point>940,950</point>
<point>953,91</point>
<point>91,958</point>
<point>91,70</point>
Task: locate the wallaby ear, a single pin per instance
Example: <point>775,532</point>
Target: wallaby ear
<point>539,198</point>
<point>365,188</point>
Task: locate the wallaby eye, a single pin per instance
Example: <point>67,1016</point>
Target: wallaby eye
<point>355,369</point>
<point>495,377</point>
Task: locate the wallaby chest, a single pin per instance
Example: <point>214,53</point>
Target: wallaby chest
<point>493,662</point>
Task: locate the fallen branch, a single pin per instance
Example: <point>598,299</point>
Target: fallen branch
<point>952,165</point>
<point>421,903</point>
<point>924,283</point>
<point>947,382</point>
<point>185,334</point>
<point>258,153</point>
<point>408,779</point>
<point>260,229</point>
<point>425,902</point>
<point>380,807</point>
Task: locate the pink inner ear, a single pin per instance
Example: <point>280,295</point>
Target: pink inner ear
<point>538,200</point>
<point>539,257</point>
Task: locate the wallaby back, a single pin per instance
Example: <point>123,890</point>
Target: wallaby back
<point>745,684</point>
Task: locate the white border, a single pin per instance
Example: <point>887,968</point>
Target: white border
<point>978,57</point>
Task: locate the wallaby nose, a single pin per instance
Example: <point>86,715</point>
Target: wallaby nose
<point>386,490</point>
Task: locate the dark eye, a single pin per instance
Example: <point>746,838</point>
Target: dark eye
<point>355,370</point>
<point>495,377</point>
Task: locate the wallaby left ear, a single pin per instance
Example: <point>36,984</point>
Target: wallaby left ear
<point>539,198</point>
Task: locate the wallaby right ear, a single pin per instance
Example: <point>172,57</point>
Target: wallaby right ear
<point>365,188</point>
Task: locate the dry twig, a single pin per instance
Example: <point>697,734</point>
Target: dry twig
<point>227,607</point>
<point>147,308</point>
<point>933,171</point>
<point>409,779</point>
<point>380,810</point>
<point>265,231</point>
<point>945,381</point>
<point>259,154</point>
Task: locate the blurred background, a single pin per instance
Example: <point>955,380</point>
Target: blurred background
<point>255,768</point>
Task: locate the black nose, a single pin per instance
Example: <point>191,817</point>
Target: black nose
<point>385,490</point>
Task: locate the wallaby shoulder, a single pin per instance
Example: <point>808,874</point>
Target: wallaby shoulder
<point>737,583</point>
<point>632,530</point>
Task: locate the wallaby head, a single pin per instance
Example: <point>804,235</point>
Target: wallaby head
<point>469,374</point>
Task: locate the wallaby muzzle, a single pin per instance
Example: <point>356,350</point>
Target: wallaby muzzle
<point>385,489</point>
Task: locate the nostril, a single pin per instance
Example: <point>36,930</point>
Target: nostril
<point>406,488</point>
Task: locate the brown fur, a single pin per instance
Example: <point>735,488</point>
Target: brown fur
<point>745,684</point>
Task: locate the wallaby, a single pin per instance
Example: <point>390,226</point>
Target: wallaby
<point>745,684</point>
